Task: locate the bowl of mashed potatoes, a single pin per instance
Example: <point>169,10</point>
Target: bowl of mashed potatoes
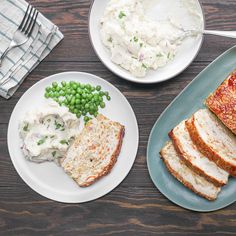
<point>146,41</point>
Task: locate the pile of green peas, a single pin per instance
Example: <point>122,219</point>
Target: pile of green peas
<point>81,99</point>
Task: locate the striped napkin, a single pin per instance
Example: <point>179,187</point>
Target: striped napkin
<point>20,61</point>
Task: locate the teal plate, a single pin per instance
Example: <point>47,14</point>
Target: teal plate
<point>190,100</point>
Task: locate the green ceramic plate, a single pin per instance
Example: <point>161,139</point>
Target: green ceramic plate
<point>190,100</point>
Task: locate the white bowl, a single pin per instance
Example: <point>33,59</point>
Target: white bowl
<point>184,57</point>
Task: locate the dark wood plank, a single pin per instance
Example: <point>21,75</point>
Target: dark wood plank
<point>136,207</point>
<point>126,211</point>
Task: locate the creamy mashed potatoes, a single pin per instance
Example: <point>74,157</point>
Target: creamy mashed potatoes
<point>136,42</point>
<point>47,132</point>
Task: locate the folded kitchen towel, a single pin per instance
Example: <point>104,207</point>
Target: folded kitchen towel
<point>20,61</point>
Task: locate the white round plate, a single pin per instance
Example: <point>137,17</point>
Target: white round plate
<point>48,179</point>
<point>184,57</point>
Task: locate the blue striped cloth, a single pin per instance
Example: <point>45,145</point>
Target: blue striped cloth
<point>20,61</point>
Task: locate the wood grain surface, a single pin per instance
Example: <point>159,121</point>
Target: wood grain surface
<point>136,207</point>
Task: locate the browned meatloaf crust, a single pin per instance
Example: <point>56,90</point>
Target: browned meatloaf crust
<point>223,102</point>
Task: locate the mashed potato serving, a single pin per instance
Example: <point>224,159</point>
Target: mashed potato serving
<point>136,42</point>
<point>47,132</point>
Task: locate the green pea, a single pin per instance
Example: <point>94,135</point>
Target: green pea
<point>77,95</point>
<point>63,83</point>
<point>86,118</point>
<point>91,107</point>
<point>48,89</point>
<point>54,84</point>
<point>58,89</point>
<point>46,95</point>
<point>108,98</point>
<point>68,98</point>
<point>84,113</point>
<point>72,108</point>
<point>72,102</point>
<point>63,89</point>
<point>98,88</point>
<point>78,90</point>
<point>74,86</point>
<point>68,91</point>
<point>62,93</point>
<point>78,114</point>
<point>102,105</point>
<point>51,94</point>
<point>96,97</point>
<point>88,86</point>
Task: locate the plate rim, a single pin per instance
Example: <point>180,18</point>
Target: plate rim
<point>142,80</point>
<point>170,198</point>
<point>54,198</point>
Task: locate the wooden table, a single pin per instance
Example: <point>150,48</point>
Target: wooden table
<point>136,207</point>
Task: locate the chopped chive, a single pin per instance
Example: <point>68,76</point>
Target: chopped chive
<point>159,55</point>
<point>144,66</point>
<point>135,39</point>
<point>54,153</point>
<point>42,141</point>
<point>64,142</point>
<point>58,125</point>
<point>26,127</point>
<point>121,15</point>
